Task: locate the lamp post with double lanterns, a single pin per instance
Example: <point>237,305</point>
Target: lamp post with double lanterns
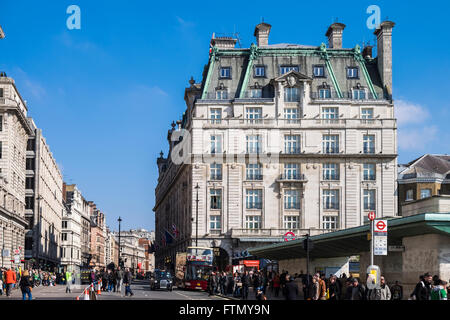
<point>120,248</point>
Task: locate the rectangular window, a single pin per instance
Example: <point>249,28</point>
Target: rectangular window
<point>64,236</point>
<point>253,143</point>
<point>329,222</point>
<point>330,171</point>
<point>225,73</point>
<point>324,93</point>
<point>29,183</point>
<point>292,144</point>
<point>1,92</point>
<point>221,94</point>
<point>367,113</point>
<point>30,164</point>
<point>369,172</point>
<point>31,144</point>
<point>425,193</point>
<point>291,222</point>
<point>216,144</point>
<point>330,199</point>
<point>216,171</point>
<point>291,171</point>
<point>255,93</point>
<point>369,200</point>
<point>319,71</point>
<point>260,71</point>
<point>253,115</point>
<point>29,203</point>
<point>330,115</point>
<point>64,224</point>
<point>216,198</point>
<point>292,199</point>
<point>216,116</point>
<point>369,143</point>
<point>254,171</point>
<point>359,94</point>
<point>1,123</point>
<point>352,73</point>
<point>214,223</point>
<point>253,199</point>
<point>292,115</point>
<point>409,195</point>
<point>330,143</point>
<point>291,94</point>
<point>253,222</point>
<point>286,69</point>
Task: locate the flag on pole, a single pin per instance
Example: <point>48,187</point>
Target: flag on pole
<point>175,231</point>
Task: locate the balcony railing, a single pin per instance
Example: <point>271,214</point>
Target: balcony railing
<point>292,205</point>
<point>254,177</point>
<point>292,177</point>
<point>346,95</point>
<point>254,205</point>
<point>296,150</point>
<point>216,177</point>
<point>276,233</point>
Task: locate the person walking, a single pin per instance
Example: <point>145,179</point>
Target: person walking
<point>313,289</point>
<point>276,284</point>
<point>10,279</point>
<point>439,292</point>
<point>26,285</point>
<point>422,290</point>
<point>383,293</point>
<point>334,290</point>
<point>127,277</point>
<point>119,280</point>
<point>1,281</point>
<point>322,287</point>
<point>245,280</point>
<point>291,289</point>
<point>68,281</point>
<point>358,292</point>
<point>396,291</point>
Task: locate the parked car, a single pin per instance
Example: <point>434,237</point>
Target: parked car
<point>161,279</point>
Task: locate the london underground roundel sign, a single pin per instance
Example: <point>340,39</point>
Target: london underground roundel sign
<point>289,236</point>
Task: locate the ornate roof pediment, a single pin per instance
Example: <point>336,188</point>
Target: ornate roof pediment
<point>292,78</point>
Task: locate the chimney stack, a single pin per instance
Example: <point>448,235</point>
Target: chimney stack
<point>334,34</point>
<point>367,52</point>
<point>262,32</point>
<point>223,42</point>
<point>384,53</point>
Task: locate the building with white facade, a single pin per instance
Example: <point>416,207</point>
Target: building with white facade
<point>133,250</point>
<point>14,131</point>
<point>279,138</point>
<point>44,203</point>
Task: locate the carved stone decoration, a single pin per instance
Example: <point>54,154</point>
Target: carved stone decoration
<point>291,81</point>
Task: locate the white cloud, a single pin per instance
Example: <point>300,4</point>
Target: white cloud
<point>417,139</point>
<point>410,113</point>
<point>29,87</point>
<point>183,22</point>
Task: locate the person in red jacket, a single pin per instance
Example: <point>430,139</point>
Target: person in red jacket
<point>10,280</point>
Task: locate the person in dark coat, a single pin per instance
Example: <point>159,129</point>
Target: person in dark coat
<point>423,288</point>
<point>127,277</point>
<point>245,279</point>
<point>358,291</point>
<point>25,285</point>
<point>334,289</point>
<point>291,289</point>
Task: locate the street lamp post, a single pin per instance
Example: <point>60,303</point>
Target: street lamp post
<point>39,231</point>
<point>120,253</point>
<point>196,216</point>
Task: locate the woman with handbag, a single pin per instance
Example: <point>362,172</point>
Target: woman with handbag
<point>26,285</point>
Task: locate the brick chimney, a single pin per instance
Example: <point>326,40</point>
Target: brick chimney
<point>367,52</point>
<point>334,34</point>
<point>384,53</point>
<point>262,32</point>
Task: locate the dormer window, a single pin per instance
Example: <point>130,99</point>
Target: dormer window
<point>225,72</point>
<point>291,94</point>
<point>359,94</point>
<point>221,92</point>
<point>260,72</point>
<point>256,93</point>
<point>319,71</point>
<point>352,73</point>
<point>286,69</point>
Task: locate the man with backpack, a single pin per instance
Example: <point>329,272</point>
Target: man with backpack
<point>397,291</point>
<point>422,291</point>
<point>439,292</point>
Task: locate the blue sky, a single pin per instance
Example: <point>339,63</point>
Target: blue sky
<point>105,95</point>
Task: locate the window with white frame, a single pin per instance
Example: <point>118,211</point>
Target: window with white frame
<point>369,200</point>
<point>253,222</point>
<point>216,199</point>
<point>292,144</point>
<point>291,199</point>
<point>216,115</point>
<point>214,223</point>
<point>225,72</point>
<point>260,71</point>
<point>409,195</point>
<point>330,114</point>
<point>254,171</point>
<point>253,198</point>
<point>291,94</point>
<point>359,94</point>
<point>216,171</point>
<point>292,115</point>
<point>256,93</point>
<point>330,222</point>
<point>291,222</point>
<point>324,93</point>
<point>352,73</point>
<point>253,115</point>
<point>291,171</point>
<point>216,144</point>
<point>425,193</point>
<point>369,143</point>
<point>330,199</point>
<point>369,172</point>
<point>253,143</point>
<point>330,143</point>
<point>367,113</point>
<point>319,71</point>
<point>330,171</point>
<point>286,69</point>
<point>221,94</point>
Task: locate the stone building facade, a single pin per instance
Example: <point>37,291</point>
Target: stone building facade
<point>134,248</point>
<point>278,138</point>
<point>44,203</point>
<point>98,239</point>
<point>14,132</point>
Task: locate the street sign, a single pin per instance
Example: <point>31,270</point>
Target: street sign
<point>289,236</point>
<point>373,277</point>
<point>380,226</point>
<point>396,248</point>
<point>17,259</point>
<point>380,245</point>
<point>371,215</point>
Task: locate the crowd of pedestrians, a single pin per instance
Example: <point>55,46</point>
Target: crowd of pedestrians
<point>318,287</point>
<point>113,280</point>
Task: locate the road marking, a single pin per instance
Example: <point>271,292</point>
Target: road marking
<point>184,295</point>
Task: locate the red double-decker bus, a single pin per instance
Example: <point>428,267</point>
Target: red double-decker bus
<point>199,264</point>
